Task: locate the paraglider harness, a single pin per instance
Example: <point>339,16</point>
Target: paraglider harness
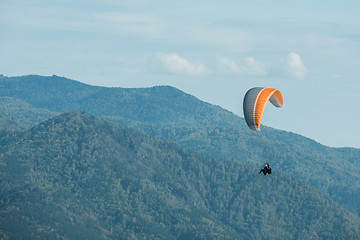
<point>266,169</point>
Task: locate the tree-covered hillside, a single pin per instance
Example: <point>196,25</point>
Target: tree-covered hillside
<point>330,170</point>
<point>78,177</point>
<point>172,115</point>
<point>23,112</point>
<point>160,105</point>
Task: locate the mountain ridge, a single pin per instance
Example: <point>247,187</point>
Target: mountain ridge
<point>169,114</point>
<point>63,95</point>
<point>85,178</point>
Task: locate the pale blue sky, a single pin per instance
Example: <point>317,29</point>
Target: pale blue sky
<point>214,50</point>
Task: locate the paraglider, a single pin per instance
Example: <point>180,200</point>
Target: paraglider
<point>266,169</point>
<point>254,104</point>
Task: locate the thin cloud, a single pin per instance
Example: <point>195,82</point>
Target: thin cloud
<point>129,22</point>
<point>173,63</point>
<point>228,66</point>
<point>249,66</point>
<point>295,65</point>
<point>255,67</point>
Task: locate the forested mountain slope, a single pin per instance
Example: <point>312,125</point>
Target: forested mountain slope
<point>25,113</point>
<point>77,177</point>
<point>160,105</point>
<point>173,115</point>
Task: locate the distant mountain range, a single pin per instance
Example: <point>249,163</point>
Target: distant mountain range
<point>229,193</point>
<point>159,105</point>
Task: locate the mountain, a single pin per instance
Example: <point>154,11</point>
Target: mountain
<point>172,115</point>
<point>26,114</point>
<point>330,170</point>
<point>160,105</point>
<point>8,124</point>
<point>79,177</point>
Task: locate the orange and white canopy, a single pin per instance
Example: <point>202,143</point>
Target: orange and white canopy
<point>254,104</point>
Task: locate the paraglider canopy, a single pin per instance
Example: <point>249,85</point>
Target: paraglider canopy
<point>254,104</point>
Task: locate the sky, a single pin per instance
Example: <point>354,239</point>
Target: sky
<point>214,50</point>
